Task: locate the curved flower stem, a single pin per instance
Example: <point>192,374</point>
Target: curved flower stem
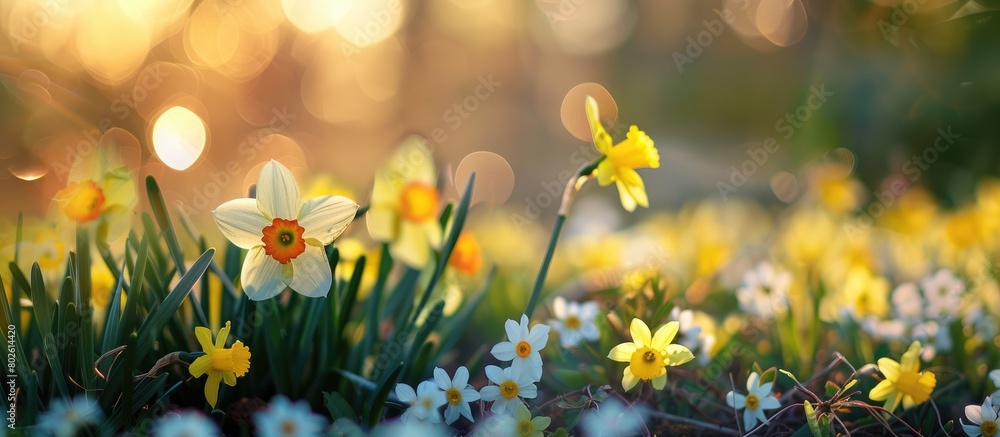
<point>572,187</point>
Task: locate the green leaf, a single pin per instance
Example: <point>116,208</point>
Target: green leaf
<point>378,402</point>
<point>449,245</point>
<point>813,421</point>
<point>345,428</point>
<point>157,318</point>
<point>170,236</point>
<point>789,374</point>
<point>338,406</point>
<point>375,301</point>
<point>131,314</point>
<point>85,350</point>
<point>831,388</point>
<point>560,432</point>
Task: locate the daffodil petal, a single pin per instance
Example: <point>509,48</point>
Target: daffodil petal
<point>753,382</point>
<point>411,246</point>
<point>606,172</point>
<point>889,368</point>
<point>441,378</point>
<point>540,423</point>
<point>229,378</point>
<point>972,430</point>
<point>660,381</point>
<point>623,352</point>
<point>770,403</point>
<point>736,400</point>
<point>881,391</point>
<point>405,393</point>
<point>628,202</point>
<point>312,273</point>
<point>602,141</point>
<point>503,351</point>
<point>382,223</point>
<point>495,374</point>
<point>212,388</point>
<point>665,335</point>
<point>522,413</point>
<point>261,275</point>
<point>461,379</point>
<point>220,340</point>
<point>204,336</point>
<point>640,333</point>
<point>633,184</point>
<point>200,366</point>
<point>628,379</point>
<point>988,412</point>
<point>277,192</point>
<point>675,355</point>
<point>325,218</point>
<point>241,222</point>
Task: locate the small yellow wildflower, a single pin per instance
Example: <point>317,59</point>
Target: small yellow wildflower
<point>649,355</point>
<point>904,383</point>
<point>221,364</point>
<point>621,160</point>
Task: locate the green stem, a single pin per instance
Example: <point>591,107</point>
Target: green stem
<point>567,198</point>
<point>544,269</point>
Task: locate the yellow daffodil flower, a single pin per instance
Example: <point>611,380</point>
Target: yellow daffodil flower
<point>904,383</point>
<point>285,236</point>
<point>649,355</point>
<point>621,160</point>
<point>404,204</point>
<point>220,363</point>
<point>467,257</point>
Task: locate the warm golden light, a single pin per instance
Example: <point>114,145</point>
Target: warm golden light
<point>179,137</point>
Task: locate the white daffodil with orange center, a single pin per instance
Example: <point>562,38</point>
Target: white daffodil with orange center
<point>649,355</point>
<point>284,236</point>
<point>522,347</point>
<point>457,392</point>
<point>753,404</point>
<point>404,204</point>
<point>621,160</point>
<point>510,388</point>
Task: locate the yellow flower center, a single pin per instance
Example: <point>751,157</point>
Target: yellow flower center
<point>427,403</point>
<point>509,389</point>
<point>573,322</point>
<point>525,428</point>
<point>909,384</point>
<point>81,202</point>
<point>235,359</point>
<point>283,240</point>
<point>988,428</point>
<point>288,427</point>
<point>752,402</point>
<point>646,363</point>
<point>418,201</point>
<point>523,349</point>
<point>454,396</point>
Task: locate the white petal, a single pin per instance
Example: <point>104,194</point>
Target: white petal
<point>504,351</point>
<point>277,192</point>
<point>765,389</point>
<point>971,430</point>
<point>312,273</point>
<point>559,307</point>
<point>490,393</point>
<point>442,379</point>
<point>525,323</point>
<point>513,331</point>
<point>241,222</point>
<point>987,411</point>
<point>770,403</point>
<point>325,218</point>
<point>261,275</point>
<point>736,400</point>
<point>461,379</point>
<point>589,331</point>
<point>495,374</point>
<point>405,393</point>
<point>466,411</point>
<point>528,391</point>
<point>470,395</point>
<point>974,413</point>
<point>752,382</point>
<point>451,414</point>
<point>538,337</point>
<point>749,419</point>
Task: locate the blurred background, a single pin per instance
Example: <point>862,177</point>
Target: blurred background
<point>201,93</point>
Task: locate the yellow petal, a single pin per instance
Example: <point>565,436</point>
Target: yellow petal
<point>665,335</point>
<point>606,172</point>
<point>633,183</point>
<point>889,368</point>
<point>628,379</point>
<point>623,352</point>
<point>602,141</point>
<point>212,388</point>
<point>412,247</point>
<point>675,355</point>
<point>628,202</point>
<point>204,336</point>
<point>882,390</point>
<point>640,333</point>
<point>229,378</point>
<point>220,340</point>
<point>660,381</point>
<point>200,365</point>
<point>911,358</point>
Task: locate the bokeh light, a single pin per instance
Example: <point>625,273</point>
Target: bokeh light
<point>179,137</point>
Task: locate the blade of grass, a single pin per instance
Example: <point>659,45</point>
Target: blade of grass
<point>85,351</point>
<point>170,236</point>
<point>375,300</point>
<point>43,314</point>
<point>155,320</point>
<point>374,411</point>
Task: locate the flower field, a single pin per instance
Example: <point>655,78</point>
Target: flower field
<point>185,271</point>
